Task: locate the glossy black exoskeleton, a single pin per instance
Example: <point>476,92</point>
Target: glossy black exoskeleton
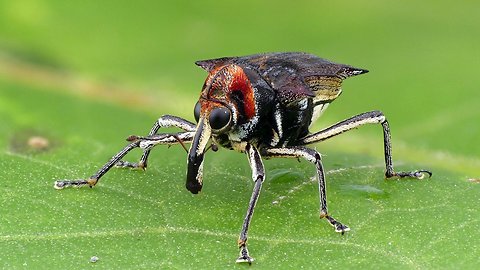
<point>261,105</point>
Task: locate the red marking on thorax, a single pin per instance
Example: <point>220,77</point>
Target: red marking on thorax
<point>240,82</point>
<point>223,81</point>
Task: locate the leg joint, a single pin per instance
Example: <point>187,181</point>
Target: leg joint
<point>375,115</point>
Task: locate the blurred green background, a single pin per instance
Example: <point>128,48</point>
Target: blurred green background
<point>86,74</point>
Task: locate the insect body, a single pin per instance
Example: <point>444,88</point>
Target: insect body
<point>261,105</point>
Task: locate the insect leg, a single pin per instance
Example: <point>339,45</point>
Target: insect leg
<point>373,117</point>
<point>145,143</point>
<point>315,158</point>
<point>258,175</point>
<point>164,121</point>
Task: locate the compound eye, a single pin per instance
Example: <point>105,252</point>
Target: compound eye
<point>196,111</point>
<point>219,118</point>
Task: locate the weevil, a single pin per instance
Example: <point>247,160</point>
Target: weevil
<point>262,105</point>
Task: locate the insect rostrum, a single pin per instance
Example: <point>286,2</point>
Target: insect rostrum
<point>261,105</point>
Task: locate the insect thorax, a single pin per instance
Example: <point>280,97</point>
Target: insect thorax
<point>279,117</point>
<point>280,95</point>
<point>277,125</point>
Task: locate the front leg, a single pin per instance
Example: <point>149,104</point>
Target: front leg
<point>164,121</point>
<point>258,175</point>
<point>315,158</point>
<point>373,117</point>
<point>146,143</point>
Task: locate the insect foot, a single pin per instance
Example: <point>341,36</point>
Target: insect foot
<point>339,227</point>
<point>61,184</point>
<point>419,174</point>
<point>244,256</point>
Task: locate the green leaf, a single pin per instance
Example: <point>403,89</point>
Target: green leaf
<point>70,95</point>
<point>148,219</point>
